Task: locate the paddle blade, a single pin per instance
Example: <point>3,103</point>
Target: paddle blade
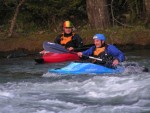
<point>55,48</point>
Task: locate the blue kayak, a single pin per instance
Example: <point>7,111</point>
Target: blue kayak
<point>85,68</point>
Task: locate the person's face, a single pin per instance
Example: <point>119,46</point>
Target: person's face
<point>98,43</point>
<point>67,30</point>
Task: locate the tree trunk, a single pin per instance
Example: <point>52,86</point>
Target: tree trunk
<point>97,12</point>
<point>13,21</point>
<point>147,11</point>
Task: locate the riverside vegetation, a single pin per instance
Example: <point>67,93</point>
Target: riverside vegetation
<point>125,38</point>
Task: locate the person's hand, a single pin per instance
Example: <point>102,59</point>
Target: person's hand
<point>115,62</point>
<point>43,52</point>
<point>79,54</point>
<point>70,48</point>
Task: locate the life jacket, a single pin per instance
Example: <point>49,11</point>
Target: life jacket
<point>64,40</point>
<point>98,51</point>
<point>102,54</point>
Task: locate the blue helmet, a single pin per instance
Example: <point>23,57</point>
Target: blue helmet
<point>99,37</point>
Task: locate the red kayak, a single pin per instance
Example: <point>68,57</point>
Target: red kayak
<point>57,57</point>
<point>57,53</point>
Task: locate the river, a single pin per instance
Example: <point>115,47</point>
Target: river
<point>26,87</point>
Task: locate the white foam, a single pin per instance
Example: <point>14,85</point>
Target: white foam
<point>58,102</point>
<point>6,94</point>
<point>43,111</point>
<point>92,94</point>
<point>50,75</point>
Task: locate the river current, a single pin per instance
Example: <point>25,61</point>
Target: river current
<point>27,87</point>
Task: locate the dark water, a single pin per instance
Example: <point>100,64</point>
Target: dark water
<point>27,88</point>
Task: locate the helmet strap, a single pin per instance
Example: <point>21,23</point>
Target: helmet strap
<point>102,44</point>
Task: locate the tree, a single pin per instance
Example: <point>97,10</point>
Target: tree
<point>97,12</point>
<point>13,21</point>
<point>51,13</point>
<point>147,10</point>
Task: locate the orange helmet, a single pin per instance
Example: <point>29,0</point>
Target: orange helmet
<point>67,24</point>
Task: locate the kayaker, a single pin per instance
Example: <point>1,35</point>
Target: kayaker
<point>110,54</point>
<point>68,38</point>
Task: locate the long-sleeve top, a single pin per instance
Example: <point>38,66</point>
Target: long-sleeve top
<point>110,50</point>
<point>76,41</point>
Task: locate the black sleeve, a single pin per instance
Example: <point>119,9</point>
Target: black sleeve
<point>57,39</point>
<point>77,41</point>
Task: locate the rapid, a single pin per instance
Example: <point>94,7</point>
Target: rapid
<point>27,87</point>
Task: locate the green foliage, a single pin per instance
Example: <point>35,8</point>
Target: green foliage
<point>42,13</point>
<point>128,11</point>
<point>49,14</point>
<point>6,10</point>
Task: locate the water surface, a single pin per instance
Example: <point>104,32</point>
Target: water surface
<point>26,87</point>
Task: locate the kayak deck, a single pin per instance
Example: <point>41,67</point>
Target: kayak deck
<point>85,68</point>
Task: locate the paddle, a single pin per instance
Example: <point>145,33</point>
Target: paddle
<point>85,47</point>
<point>54,48</point>
<point>57,48</point>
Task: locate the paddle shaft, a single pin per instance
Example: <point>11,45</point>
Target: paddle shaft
<point>85,47</point>
<point>94,58</point>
